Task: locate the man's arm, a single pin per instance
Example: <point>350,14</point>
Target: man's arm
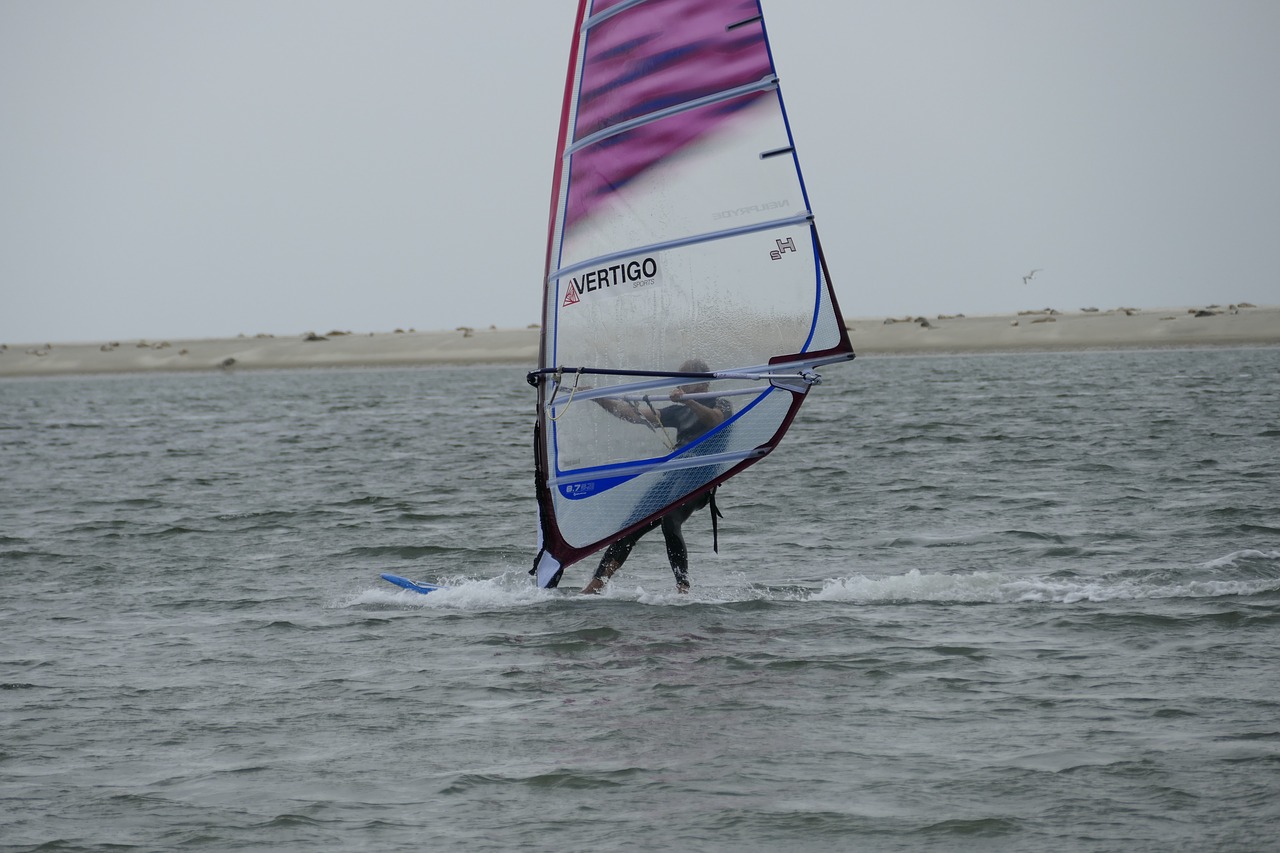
<point>628,412</point>
<point>710,416</point>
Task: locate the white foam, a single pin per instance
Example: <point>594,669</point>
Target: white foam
<point>514,589</point>
<point>1235,556</point>
<point>502,592</point>
<point>997,588</point>
<point>914,586</point>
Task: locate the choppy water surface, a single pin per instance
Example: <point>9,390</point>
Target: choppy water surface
<point>989,603</point>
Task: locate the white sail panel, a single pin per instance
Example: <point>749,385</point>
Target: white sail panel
<point>728,302</point>
<point>718,182</point>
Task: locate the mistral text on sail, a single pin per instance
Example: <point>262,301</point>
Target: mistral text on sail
<point>736,212</point>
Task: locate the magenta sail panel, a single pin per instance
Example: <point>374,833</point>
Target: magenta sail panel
<point>649,58</point>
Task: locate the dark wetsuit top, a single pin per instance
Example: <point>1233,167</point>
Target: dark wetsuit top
<point>687,424</point>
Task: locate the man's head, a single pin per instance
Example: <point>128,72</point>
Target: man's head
<point>695,365</point>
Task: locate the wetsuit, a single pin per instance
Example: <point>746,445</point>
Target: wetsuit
<point>688,426</point>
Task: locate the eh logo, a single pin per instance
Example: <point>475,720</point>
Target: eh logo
<point>787,245</point>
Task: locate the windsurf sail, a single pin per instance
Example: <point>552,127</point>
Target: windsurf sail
<point>681,254</point>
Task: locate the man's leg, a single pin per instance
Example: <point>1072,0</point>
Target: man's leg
<point>614,556</point>
<point>677,551</point>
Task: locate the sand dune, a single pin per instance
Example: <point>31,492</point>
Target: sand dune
<point>1243,325</point>
<point>1047,330</point>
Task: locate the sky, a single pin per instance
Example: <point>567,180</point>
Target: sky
<point>212,168</point>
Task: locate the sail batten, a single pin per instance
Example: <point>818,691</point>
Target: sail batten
<point>770,371</point>
<point>691,240</point>
<point>622,6</point>
<point>683,269</point>
<point>706,100</point>
<point>633,468</point>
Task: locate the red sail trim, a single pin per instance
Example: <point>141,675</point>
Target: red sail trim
<point>546,518</point>
<point>845,345</point>
<point>570,84</point>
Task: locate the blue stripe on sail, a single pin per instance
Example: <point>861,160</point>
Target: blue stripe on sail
<point>804,193</point>
<point>682,451</point>
<point>817,290</point>
<point>578,485</point>
<point>577,491</point>
<point>786,121</point>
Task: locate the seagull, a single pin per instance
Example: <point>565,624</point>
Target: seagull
<point>1026,279</point>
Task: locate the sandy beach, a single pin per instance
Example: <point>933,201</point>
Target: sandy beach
<point>1035,331</point>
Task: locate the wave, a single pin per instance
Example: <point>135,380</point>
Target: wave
<point>1237,557</point>
<point>1240,573</point>
<point>508,590</point>
<point>1253,576</point>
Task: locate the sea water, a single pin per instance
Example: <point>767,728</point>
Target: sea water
<point>974,603</point>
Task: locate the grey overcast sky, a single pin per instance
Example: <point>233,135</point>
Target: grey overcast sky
<point>216,167</point>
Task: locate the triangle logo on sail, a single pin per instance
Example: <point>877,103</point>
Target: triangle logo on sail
<point>571,297</point>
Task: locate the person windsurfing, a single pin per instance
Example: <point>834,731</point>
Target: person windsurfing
<point>691,418</point>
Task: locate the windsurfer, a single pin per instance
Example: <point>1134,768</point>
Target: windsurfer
<point>690,417</point>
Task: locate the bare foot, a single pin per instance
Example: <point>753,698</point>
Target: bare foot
<point>597,583</point>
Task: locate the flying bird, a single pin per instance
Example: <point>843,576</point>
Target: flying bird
<point>1026,279</point>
